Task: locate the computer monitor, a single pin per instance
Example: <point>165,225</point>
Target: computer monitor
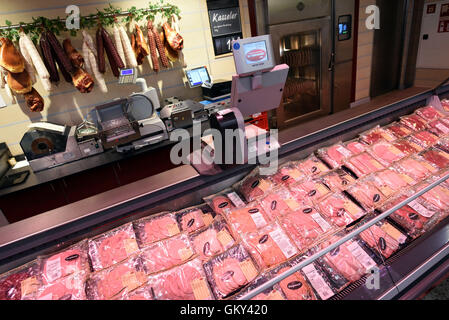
<point>252,55</point>
<point>197,76</point>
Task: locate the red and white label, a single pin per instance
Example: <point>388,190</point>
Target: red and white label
<point>317,282</point>
<point>283,243</point>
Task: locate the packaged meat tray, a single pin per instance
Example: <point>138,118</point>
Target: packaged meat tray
<point>437,157</point>
<point>142,293</point>
<point>269,246</point>
<point>273,293</point>
<point>381,241</point>
<point>339,210</point>
<point>423,138</point>
<point>185,282</point>
<point>312,166</point>
<point>254,186</point>
<point>438,196</point>
<point>407,146</point>
<point>355,146</point>
<point>288,173</point>
<point>308,191</point>
<point>248,219</point>
<point>335,155</point>
<point>390,182</point>
<point>224,201</point>
<point>325,280</point>
<point>279,203</point>
<point>63,263</point>
<point>398,130</point>
<point>363,164</point>
<point>213,240</point>
<point>108,283</point>
<point>385,152</point>
<point>366,194</point>
<point>414,168</point>
<point>68,288</point>
<point>20,283</point>
<point>429,113</point>
<point>229,272</point>
<point>375,135</point>
<point>155,228</point>
<point>439,128</point>
<point>112,247</point>
<point>443,144</point>
<point>337,180</point>
<point>167,253</point>
<point>414,122</point>
<point>195,218</point>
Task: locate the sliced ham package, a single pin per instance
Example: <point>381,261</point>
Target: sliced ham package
<point>423,138</point>
<point>385,152</point>
<point>437,196</point>
<point>337,180</point>
<point>363,164</point>
<point>415,168</point>
<point>279,203</point>
<point>213,240</point>
<point>270,246</point>
<point>439,128</point>
<point>390,182</point>
<point>414,122</point>
<point>142,293</point>
<point>254,185</point>
<point>224,201</point>
<point>63,263</point>
<point>356,146</point>
<point>443,144</point>
<point>437,157</point>
<point>68,288</point>
<point>185,282</point>
<point>273,293</point>
<point>407,146</point>
<point>20,283</point>
<point>398,130</point>
<point>195,218</point>
<point>366,194</point>
<point>155,228</point>
<point>379,238</point>
<point>230,271</point>
<point>308,191</point>
<point>248,219</point>
<point>430,113</point>
<point>312,166</point>
<point>288,173</point>
<point>167,253</point>
<point>338,209</point>
<point>334,155</point>
<point>108,283</point>
<point>112,247</point>
<point>376,134</point>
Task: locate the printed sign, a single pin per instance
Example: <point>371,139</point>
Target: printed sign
<point>225,21</point>
<point>431,8</point>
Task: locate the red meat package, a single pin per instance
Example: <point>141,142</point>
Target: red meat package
<point>356,147</point>
<point>185,282</point>
<point>379,240</point>
<point>338,209</point>
<point>112,247</point>
<point>398,130</point>
<point>423,138</point>
<point>429,113</point>
<point>155,228</point>
<point>306,227</point>
<point>385,152</point>
<point>335,155</point>
<point>142,293</point>
<point>309,191</point>
<point>108,283</point>
<point>389,182</point>
<point>437,157</point>
<point>376,134</point>
<point>278,203</point>
<point>254,185</point>
<point>248,219</point>
<point>414,168</point>
<point>312,166</point>
<point>68,288</point>
<point>214,240</point>
<point>407,146</point>
<point>439,128</point>
<point>363,164</point>
<point>20,283</point>
<point>338,180</point>
<point>166,254</point>
<point>366,194</point>
<point>195,218</point>
<point>230,271</point>
<point>58,265</point>
<point>443,144</point>
<point>414,122</point>
<point>288,173</point>
<point>224,201</point>
<point>272,293</point>
<point>270,246</point>
<point>438,196</point>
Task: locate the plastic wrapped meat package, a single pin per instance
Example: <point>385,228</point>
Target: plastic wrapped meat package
<point>254,186</point>
<point>270,246</point>
<point>312,166</point>
<point>385,152</point>
<point>376,134</point>
<point>142,293</point>
<point>230,271</point>
<point>414,122</point>
<point>443,144</point>
<point>287,174</point>
<point>185,282</point>
<point>212,241</point>
<point>279,203</point>
<point>108,283</point>
<point>366,194</point>
<point>437,157</point>
<point>334,155</point>
<point>166,254</point>
<point>438,196</point>
<point>68,288</point>
<point>430,113</point>
<point>306,227</point>
<point>58,265</point>
<point>112,247</point>
<point>423,138</point>
<point>195,218</point>
<point>155,228</point>
<point>308,191</point>
<point>21,283</point>
<point>338,180</point>
<point>377,238</point>
<point>439,128</point>
<point>356,147</point>
<point>390,182</point>
<point>338,209</point>
<point>272,293</point>
<point>248,219</point>
<point>363,164</point>
<point>398,130</point>
<point>408,146</point>
<point>224,201</point>
<point>414,168</point>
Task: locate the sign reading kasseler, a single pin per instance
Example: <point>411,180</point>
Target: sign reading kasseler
<point>225,21</point>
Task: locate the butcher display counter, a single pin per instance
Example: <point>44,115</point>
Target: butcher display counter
<point>387,244</point>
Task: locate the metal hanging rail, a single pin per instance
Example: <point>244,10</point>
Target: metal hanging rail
<point>347,237</point>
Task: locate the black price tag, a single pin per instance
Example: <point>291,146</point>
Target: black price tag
<point>223,45</point>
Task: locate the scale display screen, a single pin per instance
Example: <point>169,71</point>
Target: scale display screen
<point>127,76</point>
<point>255,52</point>
<point>197,76</point>
<point>126,72</point>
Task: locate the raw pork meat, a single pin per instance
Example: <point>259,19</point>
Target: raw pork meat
<point>141,293</point>
<point>20,283</point>
<point>366,194</point>
<point>424,138</point>
<point>68,288</point>
<point>439,128</point>
<point>407,146</point>
<point>185,282</point>
<point>287,174</point>
<point>356,147</point>
<point>155,228</point>
<point>308,191</point>
<point>363,164</point>
<point>195,218</point>
<point>398,130</point>
<point>335,155</point>
<point>379,240</point>
<point>340,210</point>
<point>224,201</point>
<point>270,246</point>
<point>295,286</point>
<point>386,152</point>
<point>414,168</point>
<point>375,135</point>
<point>279,203</point>
<point>389,182</point>
<point>437,157</point>
<point>230,271</point>
<point>112,247</point>
<point>312,166</point>
<point>414,122</point>
<point>338,180</point>
<point>429,113</point>
<point>254,186</point>
<point>248,219</point>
